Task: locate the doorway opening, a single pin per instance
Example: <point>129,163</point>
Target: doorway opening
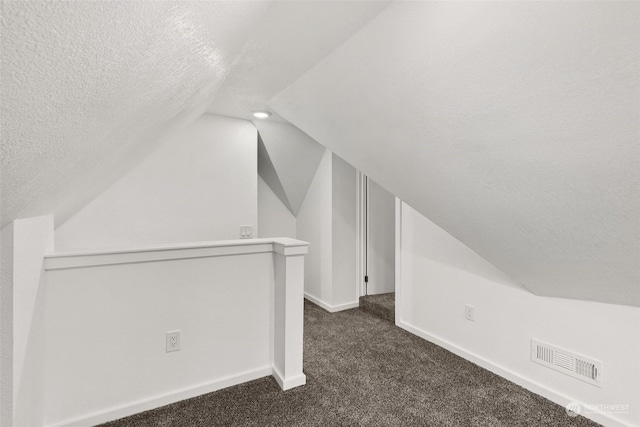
<point>377,248</point>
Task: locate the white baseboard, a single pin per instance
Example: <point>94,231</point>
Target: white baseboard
<point>552,395</point>
<point>289,383</point>
<point>331,308</point>
<point>163,399</point>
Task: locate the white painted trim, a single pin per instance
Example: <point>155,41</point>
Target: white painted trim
<point>398,266</point>
<point>284,246</point>
<point>365,285</point>
<point>527,383</point>
<point>290,383</point>
<point>331,308</point>
<point>163,399</point>
<point>290,249</point>
<point>360,232</point>
<point>317,302</point>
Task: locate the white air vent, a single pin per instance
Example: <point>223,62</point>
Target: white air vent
<point>575,365</point>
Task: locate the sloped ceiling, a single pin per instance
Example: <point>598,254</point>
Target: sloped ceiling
<point>289,162</point>
<point>291,38</point>
<point>88,87</point>
<point>512,125</point>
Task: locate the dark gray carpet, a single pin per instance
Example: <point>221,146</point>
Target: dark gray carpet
<point>364,371</point>
<point>381,305</point>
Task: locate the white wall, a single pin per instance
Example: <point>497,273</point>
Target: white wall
<point>274,219</point>
<point>314,226</point>
<point>439,275</point>
<point>381,241</point>
<point>200,185</point>
<point>33,238</point>
<point>6,325</point>
<point>294,157</point>
<point>327,220</point>
<point>344,206</point>
<point>106,332</point>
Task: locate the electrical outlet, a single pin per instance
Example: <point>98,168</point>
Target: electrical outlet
<point>469,312</point>
<point>173,341</point>
<point>246,231</point>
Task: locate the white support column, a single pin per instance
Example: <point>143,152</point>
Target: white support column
<point>288,312</point>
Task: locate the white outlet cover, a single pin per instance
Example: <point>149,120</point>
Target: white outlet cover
<point>173,341</point>
<point>469,312</point>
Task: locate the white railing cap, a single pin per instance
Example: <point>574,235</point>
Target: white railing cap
<point>172,251</point>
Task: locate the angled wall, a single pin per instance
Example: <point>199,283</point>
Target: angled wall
<point>199,185</point>
<point>268,173</point>
<point>439,275</point>
<point>289,161</point>
<point>274,219</point>
<point>319,188</point>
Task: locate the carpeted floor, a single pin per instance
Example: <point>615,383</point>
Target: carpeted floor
<point>364,371</point>
<point>381,305</point>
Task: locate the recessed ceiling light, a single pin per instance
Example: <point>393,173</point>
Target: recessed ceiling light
<point>261,114</point>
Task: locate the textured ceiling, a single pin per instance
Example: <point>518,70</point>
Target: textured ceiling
<point>87,88</point>
<point>512,125</point>
<point>291,38</point>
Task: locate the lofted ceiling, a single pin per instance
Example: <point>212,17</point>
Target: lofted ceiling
<point>291,38</point>
<point>515,126</point>
<point>512,125</point>
<point>89,87</point>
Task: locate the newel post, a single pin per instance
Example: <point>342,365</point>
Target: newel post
<point>288,312</point>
